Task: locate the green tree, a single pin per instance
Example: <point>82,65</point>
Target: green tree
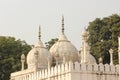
<point>50,43</point>
<point>103,35</point>
<point>10,53</point>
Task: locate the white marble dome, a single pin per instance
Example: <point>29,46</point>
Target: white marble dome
<point>43,55</point>
<point>91,59</point>
<point>64,49</point>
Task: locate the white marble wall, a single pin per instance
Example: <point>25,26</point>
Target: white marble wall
<point>70,71</point>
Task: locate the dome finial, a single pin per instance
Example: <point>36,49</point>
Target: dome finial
<point>39,33</point>
<point>62,24</point>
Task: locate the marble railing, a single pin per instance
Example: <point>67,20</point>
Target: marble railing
<point>66,70</point>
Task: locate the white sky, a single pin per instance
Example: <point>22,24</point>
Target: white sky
<point>21,18</point>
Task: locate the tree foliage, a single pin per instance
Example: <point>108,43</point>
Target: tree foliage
<point>10,53</point>
<point>103,35</point>
<point>50,43</point>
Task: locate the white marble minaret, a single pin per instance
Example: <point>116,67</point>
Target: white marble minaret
<point>22,61</point>
<point>84,50</point>
<point>119,55</point>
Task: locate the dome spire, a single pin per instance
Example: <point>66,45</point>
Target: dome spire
<point>39,33</point>
<point>62,24</point>
<point>39,43</point>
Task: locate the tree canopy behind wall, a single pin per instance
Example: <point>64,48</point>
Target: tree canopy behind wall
<point>103,35</point>
<point>10,53</point>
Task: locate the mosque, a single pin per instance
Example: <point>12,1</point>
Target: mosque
<point>69,63</point>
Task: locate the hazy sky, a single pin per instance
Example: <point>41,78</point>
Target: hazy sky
<point>21,18</point>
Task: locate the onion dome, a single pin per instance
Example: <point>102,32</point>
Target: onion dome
<point>90,57</point>
<point>63,50</point>
<point>38,56</point>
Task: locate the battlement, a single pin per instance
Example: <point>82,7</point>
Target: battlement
<point>94,68</point>
<point>67,69</point>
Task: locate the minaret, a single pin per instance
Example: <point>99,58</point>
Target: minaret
<point>84,42</point>
<point>22,61</point>
<point>81,54</point>
<point>111,56</point>
<point>49,62</point>
<point>119,55</point>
